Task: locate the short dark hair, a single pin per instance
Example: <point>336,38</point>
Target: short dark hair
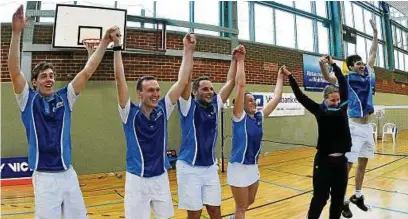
<point>139,82</point>
<point>42,66</point>
<point>350,60</point>
<point>39,68</point>
<point>196,82</point>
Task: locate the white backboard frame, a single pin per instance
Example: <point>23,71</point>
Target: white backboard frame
<point>73,23</point>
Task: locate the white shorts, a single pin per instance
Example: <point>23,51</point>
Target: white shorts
<point>58,193</point>
<point>197,186</point>
<point>143,193</point>
<point>362,142</point>
<point>242,175</point>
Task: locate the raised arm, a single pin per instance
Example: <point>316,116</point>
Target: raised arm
<point>271,105</point>
<point>17,77</point>
<point>240,81</point>
<point>226,90</point>
<point>325,72</point>
<point>308,103</point>
<point>186,68</point>
<point>119,72</point>
<point>374,45</point>
<point>79,82</point>
<point>343,90</point>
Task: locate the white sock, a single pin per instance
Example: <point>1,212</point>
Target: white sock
<point>358,193</point>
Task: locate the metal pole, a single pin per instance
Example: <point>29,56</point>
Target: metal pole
<point>222,140</point>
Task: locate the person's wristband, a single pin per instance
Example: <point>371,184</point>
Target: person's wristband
<point>117,48</point>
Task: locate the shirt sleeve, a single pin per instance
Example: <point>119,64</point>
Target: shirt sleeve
<point>22,98</point>
<point>169,106</point>
<point>71,95</point>
<point>185,105</point>
<point>124,112</point>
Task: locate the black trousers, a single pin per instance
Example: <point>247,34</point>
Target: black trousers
<point>330,177</point>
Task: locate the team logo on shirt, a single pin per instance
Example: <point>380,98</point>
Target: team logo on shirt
<point>58,105</point>
<point>157,115</point>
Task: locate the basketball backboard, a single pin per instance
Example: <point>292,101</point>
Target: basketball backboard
<point>74,23</point>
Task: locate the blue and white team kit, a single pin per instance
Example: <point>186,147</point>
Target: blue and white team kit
<point>147,184</point>
<point>197,172</point>
<point>47,121</point>
<point>360,90</point>
<point>247,134</point>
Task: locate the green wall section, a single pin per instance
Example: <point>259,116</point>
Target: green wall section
<point>98,141</point>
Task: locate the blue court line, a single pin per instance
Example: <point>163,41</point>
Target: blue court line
<point>282,186</point>
<point>390,209</point>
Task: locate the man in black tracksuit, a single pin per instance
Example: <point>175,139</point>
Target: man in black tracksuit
<point>330,173</point>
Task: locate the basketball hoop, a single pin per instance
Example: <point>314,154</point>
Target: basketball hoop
<point>91,42</point>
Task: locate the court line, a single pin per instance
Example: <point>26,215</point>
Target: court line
<point>306,192</point>
<point>89,206</point>
<point>282,186</point>
<point>295,174</point>
<point>390,209</point>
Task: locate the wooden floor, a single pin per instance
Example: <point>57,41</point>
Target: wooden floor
<point>285,188</point>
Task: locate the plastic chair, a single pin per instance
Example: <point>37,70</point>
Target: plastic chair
<point>389,129</point>
<point>375,131</point>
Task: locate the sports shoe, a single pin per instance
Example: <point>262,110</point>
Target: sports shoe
<point>359,202</point>
<point>346,210</point>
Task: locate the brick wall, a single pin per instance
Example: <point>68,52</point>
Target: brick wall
<point>261,63</point>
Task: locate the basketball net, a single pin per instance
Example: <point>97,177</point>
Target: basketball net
<point>91,42</point>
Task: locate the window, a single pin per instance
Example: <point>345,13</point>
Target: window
<point>136,9</point>
<point>401,61</point>
<point>351,49</point>
<point>380,56</point>
<point>396,62</point>
<point>348,14</point>
<point>201,10</point>
<point>406,61</point>
<point>323,37</point>
<point>8,10</point>
<point>264,24</point>
<point>304,33</point>
<point>51,5</point>
<point>361,48</point>
<point>304,6</point>
<point>243,20</point>
<point>287,29</point>
<point>367,17</point>
<point>166,9</point>
<point>358,17</point>
<point>287,3</point>
<point>107,4</point>
<point>285,32</point>
<point>379,26</point>
<point>321,8</point>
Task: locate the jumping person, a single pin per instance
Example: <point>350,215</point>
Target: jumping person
<point>145,125</point>
<point>330,173</point>
<point>247,123</point>
<point>197,172</point>
<point>360,80</point>
<point>46,115</point>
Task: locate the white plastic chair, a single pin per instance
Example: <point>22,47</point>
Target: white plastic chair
<point>375,131</point>
<point>389,129</point>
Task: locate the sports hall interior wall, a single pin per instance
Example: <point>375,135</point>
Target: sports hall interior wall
<point>97,134</point>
